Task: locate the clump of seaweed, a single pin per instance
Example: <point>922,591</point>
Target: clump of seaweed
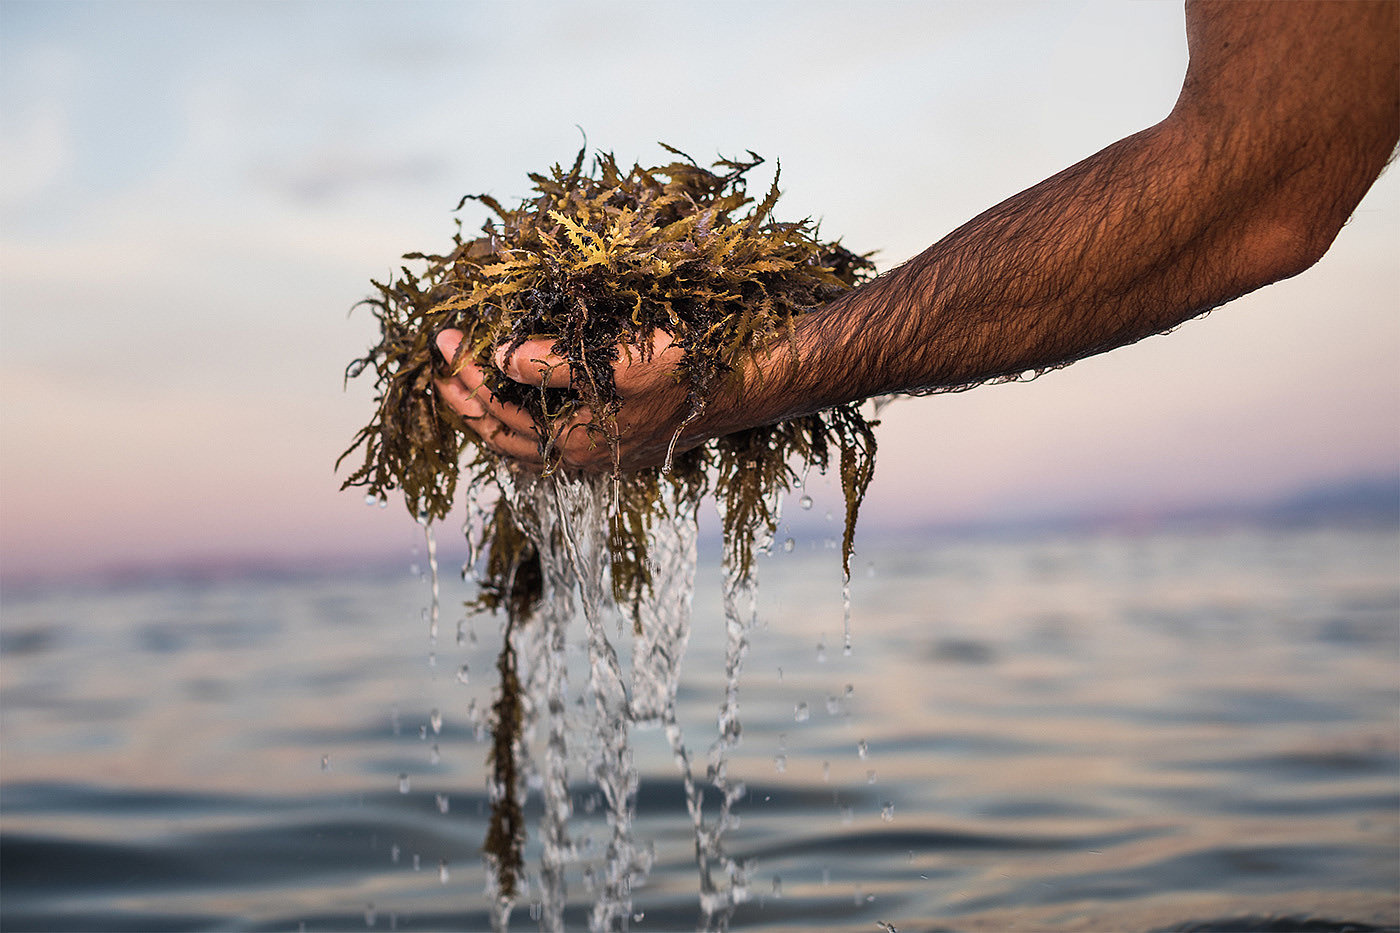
<point>596,260</point>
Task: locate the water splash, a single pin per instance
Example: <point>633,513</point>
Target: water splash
<point>566,520</point>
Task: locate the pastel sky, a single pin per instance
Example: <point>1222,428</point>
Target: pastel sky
<point>192,197</point>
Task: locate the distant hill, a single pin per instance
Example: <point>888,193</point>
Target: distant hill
<point>1359,502</point>
<point>1368,501</point>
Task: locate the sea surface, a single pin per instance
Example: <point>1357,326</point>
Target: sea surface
<point>1182,730</point>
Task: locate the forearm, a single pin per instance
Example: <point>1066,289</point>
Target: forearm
<point>1247,182</point>
<point>1115,248</point>
<point>1288,114</point>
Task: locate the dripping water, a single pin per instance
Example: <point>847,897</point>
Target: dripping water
<point>566,519</point>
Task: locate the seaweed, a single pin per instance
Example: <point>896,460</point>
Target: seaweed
<point>597,260</point>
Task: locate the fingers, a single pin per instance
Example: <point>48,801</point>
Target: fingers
<point>633,375</point>
<point>643,376</point>
<point>506,428</point>
<point>467,394</point>
<point>534,363</point>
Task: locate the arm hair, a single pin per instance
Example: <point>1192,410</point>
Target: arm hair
<point>1288,113</point>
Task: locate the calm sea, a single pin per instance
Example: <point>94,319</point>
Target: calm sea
<point>1092,732</point>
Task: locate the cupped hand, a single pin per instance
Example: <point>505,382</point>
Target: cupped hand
<point>653,406</point>
<point>505,428</point>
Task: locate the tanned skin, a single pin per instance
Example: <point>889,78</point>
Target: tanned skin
<point>1288,114</point>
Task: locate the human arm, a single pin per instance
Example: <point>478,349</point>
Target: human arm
<point>1288,113</point>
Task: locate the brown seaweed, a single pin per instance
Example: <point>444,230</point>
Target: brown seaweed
<point>596,260</point>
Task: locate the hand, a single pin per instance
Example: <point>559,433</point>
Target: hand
<point>505,428</point>
<point>653,406</point>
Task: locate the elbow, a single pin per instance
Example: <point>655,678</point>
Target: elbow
<point>1299,213</point>
<point>1280,248</point>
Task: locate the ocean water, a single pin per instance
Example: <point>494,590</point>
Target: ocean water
<point>1149,731</point>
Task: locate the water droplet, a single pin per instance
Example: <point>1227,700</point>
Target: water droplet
<point>394,853</point>
<point>862,749</point>
<point>821,652</point>
<point>422,518</point>
<point>850,689</point>
<point>639,916</point>
<point>370,915</point>
<point>432,659</point>
<point>434,755</point>
<point>870,776</point>
<point>442,871</point>
<point>422,733</point>
<point>325,762</point>
<point>801,713</point>
<point>805,502</point>
<point>780,762</point>
<point>436,720</point>
<point>371,499</point>
<point>789,544</point>
<point>847,815</point>
<point>403,783</point>
<point>463,677</point>
<point>394,720</point>
<point>826,772</point>
<point>417,862</point>
<point>777,886</point>
<point>383,503</point>
<point>826,877</point>
<point>780,675</point>
<point>828,515</point>
<point>887,812</point>
<point>833,706</point>
<point>870,569</point>
<point>442,802</point>
<point>846,647</point>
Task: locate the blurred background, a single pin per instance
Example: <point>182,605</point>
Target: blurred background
<point>1124,636</point>
<point>193,196</point>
